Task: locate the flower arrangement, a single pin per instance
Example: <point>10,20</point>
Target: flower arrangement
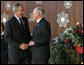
<point>78,34</point>
<point>69,43</point>
<point>75,33</point>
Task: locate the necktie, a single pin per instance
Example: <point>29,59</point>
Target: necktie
<point>21,22</point>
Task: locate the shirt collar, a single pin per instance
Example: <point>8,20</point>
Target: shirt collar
<point>17,18</point>
<point>39,20</point>
<point>2,33</point>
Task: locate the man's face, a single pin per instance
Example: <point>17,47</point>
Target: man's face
<point>20,11</point>
<point>35,14</point>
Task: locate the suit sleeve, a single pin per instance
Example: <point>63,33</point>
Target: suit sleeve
<point>9,35</point>
<point>45,35</point>
<point>29,34</point>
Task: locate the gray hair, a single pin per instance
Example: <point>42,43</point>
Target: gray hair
<point>15,6</point>
<point>41,11</point>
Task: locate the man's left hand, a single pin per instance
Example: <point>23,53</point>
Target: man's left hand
<point>31,43</point>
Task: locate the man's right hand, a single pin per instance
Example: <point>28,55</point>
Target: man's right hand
<point>23,46</point>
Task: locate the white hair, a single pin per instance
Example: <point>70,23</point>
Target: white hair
<point>40,10</point>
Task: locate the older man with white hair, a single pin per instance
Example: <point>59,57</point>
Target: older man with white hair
<point>41,37</point>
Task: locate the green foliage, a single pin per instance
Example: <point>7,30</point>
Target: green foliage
<point>63,46</point>
<point>60,53</point>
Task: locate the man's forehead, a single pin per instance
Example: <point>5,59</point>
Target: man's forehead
<point>21,7</point>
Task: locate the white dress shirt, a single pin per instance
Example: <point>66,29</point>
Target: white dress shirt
<point>2,33</point>
<point>39,20</point>
<point>17,18</point>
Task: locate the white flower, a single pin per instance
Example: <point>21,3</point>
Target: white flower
<point>8,5</point>
<point>62,19</point>
<point>67,4</point>
<point>4,17</point>
<point>77,23</point>
<point>38,2</point>
<point>67,31</point>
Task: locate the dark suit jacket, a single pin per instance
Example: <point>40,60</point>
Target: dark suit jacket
<point>41,37</point>
<point>4,44</point>
<point>4,51</point>
<point>14,35</point>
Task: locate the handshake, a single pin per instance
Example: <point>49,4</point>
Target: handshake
<point>24,46</point>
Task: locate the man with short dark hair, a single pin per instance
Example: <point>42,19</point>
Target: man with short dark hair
<point>17,35</point>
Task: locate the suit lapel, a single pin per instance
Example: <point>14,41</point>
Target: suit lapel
<point>18,24</point>
<point>37,27</point>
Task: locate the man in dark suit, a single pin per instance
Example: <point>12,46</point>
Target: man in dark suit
<point>17,35</point>
<point>4,47</point>
<point>41,37</point>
